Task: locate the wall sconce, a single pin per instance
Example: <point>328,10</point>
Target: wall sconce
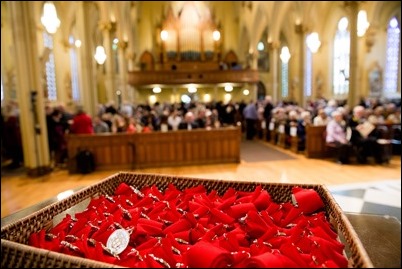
<point>285,55</point>
<point>100,55</point>
<point>313,42</point>
<point>362,23</point>
<point>49,18</point>
<point>123,44</point>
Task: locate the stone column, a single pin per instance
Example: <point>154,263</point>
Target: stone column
<point>87,67</point>
<point>353,9</point>
<point>30,93</point>
<point>274,46</point>
<point>123,87</point>
<point>107,27</point>
<point>299,88</point>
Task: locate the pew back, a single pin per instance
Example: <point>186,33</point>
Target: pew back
<point>158,149</point>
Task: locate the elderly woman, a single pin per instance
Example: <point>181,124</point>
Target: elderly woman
<point>336,137</point>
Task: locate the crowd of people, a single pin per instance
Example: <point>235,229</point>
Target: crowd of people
<point>253,117</point>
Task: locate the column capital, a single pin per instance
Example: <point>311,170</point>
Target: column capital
<point>107,25</point>
<point>123,44</point>
<point>130,55</point>
<point>272,45</point>
<point>351,5</point>
<point>301,28</point>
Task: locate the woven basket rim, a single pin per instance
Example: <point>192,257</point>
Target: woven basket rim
<point>119,177</point>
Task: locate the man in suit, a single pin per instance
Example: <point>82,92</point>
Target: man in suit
<point>189,122</point>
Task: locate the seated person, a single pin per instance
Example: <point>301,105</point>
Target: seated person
<point>189,122</point>
<point>365,142</point>
<point>292,121</point>
<point>321,118</point>
<point>336,137</point>
<point>305,120</point>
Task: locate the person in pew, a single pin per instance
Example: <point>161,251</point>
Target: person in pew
<point>336,137</point>
<point>189,122</point>
<point>305,120</point>
<point>322,118</point>
<point>100,126</point>
<point>291,121</point>
<point>82,122</point>
<point>364,136</point>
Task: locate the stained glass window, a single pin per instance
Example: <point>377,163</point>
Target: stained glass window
<point>74,70</point>
<point>341,58</point>
<point>308,74</point>
<point>50,68</point>
<point>392,57</point>
<point>285,80</point>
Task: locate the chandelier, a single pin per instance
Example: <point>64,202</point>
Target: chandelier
<point>49,18</point>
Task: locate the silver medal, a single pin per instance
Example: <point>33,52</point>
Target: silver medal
<point>118,241</point>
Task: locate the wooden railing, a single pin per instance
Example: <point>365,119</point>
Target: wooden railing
<point>138,78</point>
<point>158,149</point>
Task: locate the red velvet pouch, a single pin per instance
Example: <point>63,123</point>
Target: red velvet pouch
<point>206,255</point>
<point>308,200</point>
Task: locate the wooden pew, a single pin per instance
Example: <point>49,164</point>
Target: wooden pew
<point>158,149</point>
<point>315,139</point>
<point>315,142</point>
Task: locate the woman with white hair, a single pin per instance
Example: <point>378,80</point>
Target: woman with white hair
<point>336,137</point>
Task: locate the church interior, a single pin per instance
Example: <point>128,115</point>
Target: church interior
<point>225,90</point>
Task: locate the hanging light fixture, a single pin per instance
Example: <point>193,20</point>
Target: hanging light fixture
<point>362,23</point>
<point>49,18</point>
<point>313,42</point>
<point>100,55</point>
<point>285,55</point>
<point>216,35</point>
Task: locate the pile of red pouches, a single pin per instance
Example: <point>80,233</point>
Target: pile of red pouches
<point>191,228</point>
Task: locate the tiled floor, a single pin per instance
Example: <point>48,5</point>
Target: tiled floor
<point>382,198</point>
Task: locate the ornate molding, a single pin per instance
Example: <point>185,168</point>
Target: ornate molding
<point>123,44</point>
<point>139,78</point>
<point>301,28</point>
<point>107,26</point>
<point>274,45</point>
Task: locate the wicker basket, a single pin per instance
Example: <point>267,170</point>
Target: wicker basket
<point>15,251</point>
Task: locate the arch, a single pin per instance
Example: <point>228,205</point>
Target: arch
<point>279,11</point>
<point>259,25</point>
<point>261,90</point>
<point>382,12</point>
<point>244,42</point>
<point>147,61</point>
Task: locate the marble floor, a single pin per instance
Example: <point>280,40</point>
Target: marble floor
<point>382,197</point>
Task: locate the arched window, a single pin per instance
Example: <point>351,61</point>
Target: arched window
<point>341,58</point>
<point>262,48</point>
<point>74,68</point>
<point>285,56</point>
<point>392,58</point>
<point>50,68</point>
<point>285,80</point>
<point>308,74</point>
